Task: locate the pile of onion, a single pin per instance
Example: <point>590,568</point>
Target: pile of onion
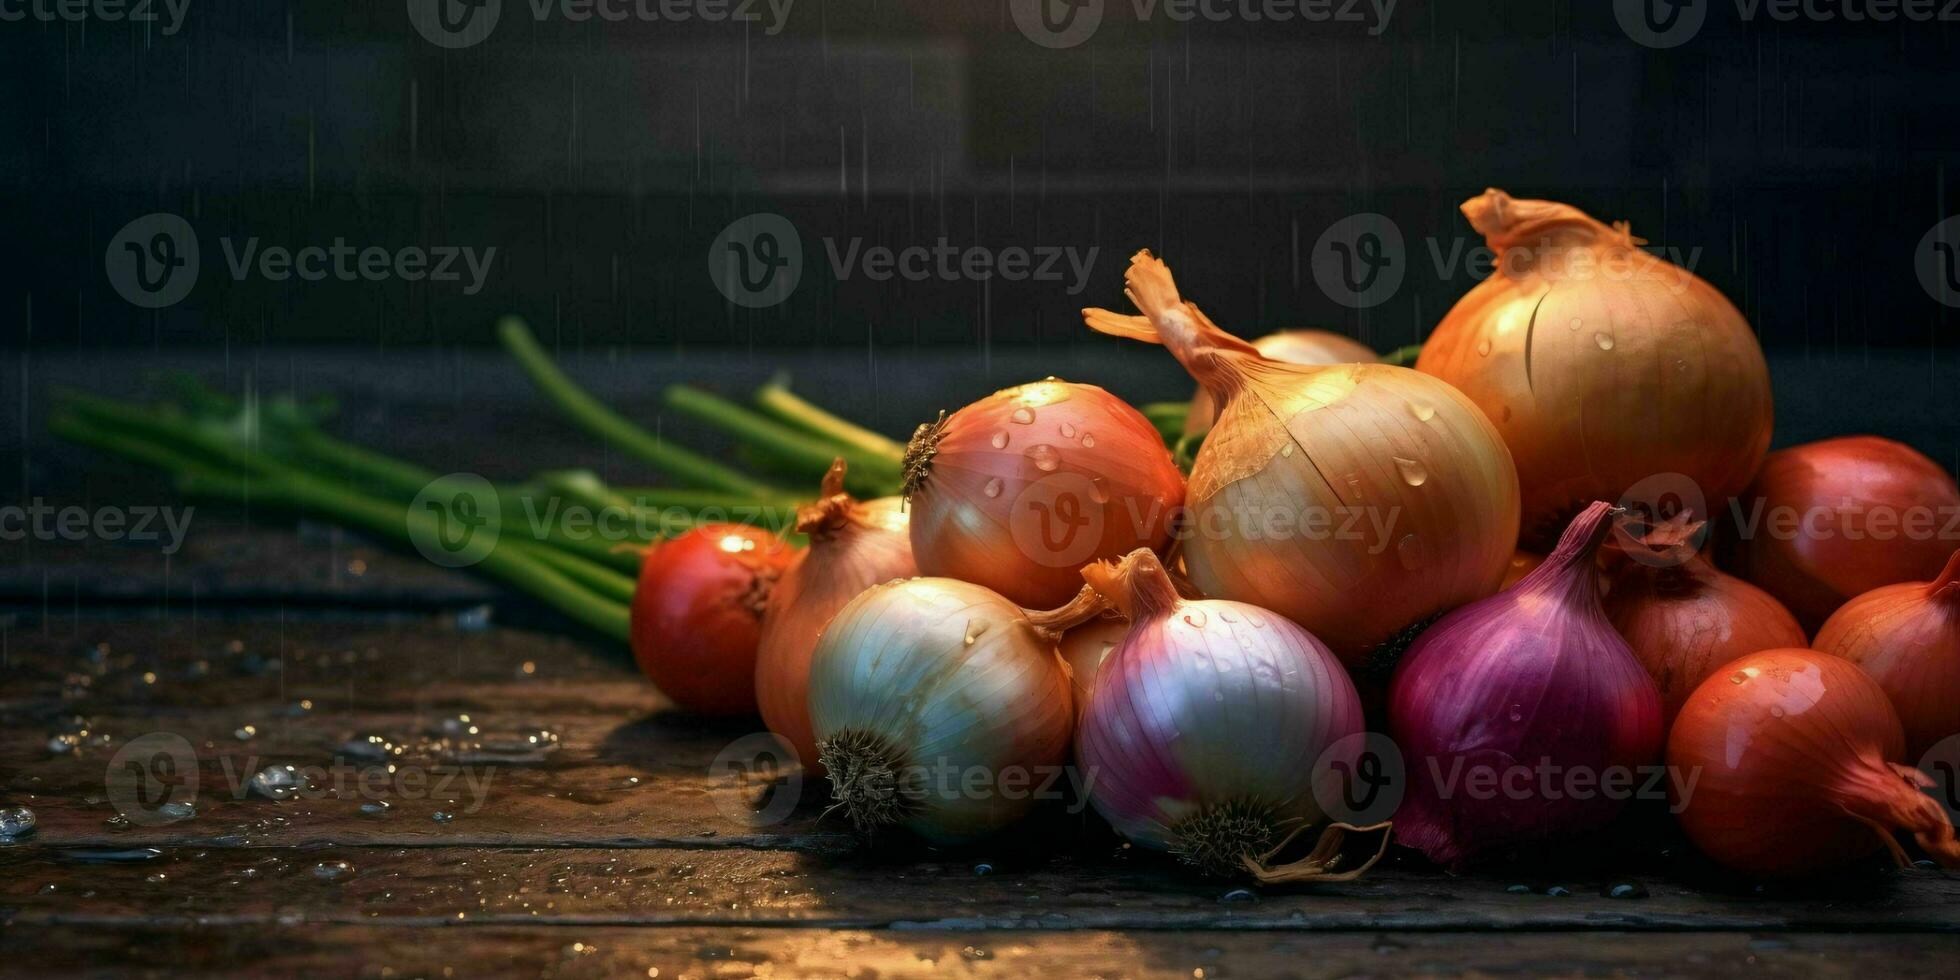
<point>940,707</point>
<point>1907,637</point>
<point>697,614</point>
<point>1312,347</point>
<point>1534,676</point>
<point>1602,365</point>
<point>853,546</point>
<point>1359,500</point>
<point>1020,489</point>
<point>1829,520</point>
<point>1215,728</point>
<point>1790,765</point>
<point>1682,616</point>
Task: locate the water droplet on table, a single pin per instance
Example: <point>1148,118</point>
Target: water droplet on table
<point>1239,895</point>
<point>175,811</point>
<point>16,821</point>
<point>332,870</point>
<point>1626,889</point>
<point>376,808</point>
<point>278,782</point>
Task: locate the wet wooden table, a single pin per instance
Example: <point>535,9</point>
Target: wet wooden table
<point>475,790</point>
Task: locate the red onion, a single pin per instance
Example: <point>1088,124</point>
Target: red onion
<point>1517,714</point>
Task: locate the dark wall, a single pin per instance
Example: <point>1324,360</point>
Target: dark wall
<point>1802,165</point>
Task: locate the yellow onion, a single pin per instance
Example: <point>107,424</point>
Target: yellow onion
<point>1601,364</point>
<point>940,707</point>
<point>853,546</point>
<point>1290,347</point>
<point>1358,500</point>
<point>1907,637</point>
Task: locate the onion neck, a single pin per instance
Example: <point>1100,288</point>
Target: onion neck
<point>1507,222</point>
<point>1088,604</point>
<point>1138,586</point>
<point>1573,559</point>
<point>1946,588</point>
<point>833,511</point>
<point>1889,798</point>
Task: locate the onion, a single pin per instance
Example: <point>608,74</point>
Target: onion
<point>1358,501</point>
<point>697,614</point>
<point>1020,489</point>
<point>1793,757</point>
<point>853,546</point>
<point>1531,683</point>
<point>1289,347</point>
<point>1086,647</point>
<point>1211,724</point>
<point>939,706</point>
<point>1907,637</point>
<point>1602,365</point>
<point>1684,618</point>
<point>1829,520</point>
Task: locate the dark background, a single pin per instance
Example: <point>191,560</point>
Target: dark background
<point>1805,160</point>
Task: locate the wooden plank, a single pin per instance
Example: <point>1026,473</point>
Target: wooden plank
<point>381,951</point>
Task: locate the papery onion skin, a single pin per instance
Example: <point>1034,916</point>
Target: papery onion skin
<point>1601,365</point>
<point>1086,647</point>
<point>1533,673</point>
<point>1398,498</point>
<point>1210,708</point>
<point>933,676</point>
<point>1907,637</point>
<point>1020,489</point>
<point>1313,347</point>
<point>697,614</point>
<point>1793,756</point>
<point>853,546</point>
<point>1838,486</point>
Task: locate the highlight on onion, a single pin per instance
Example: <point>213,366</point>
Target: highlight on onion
<point>697,609</point>
<point>1215,729</point>
<point>1829,520</point>
<point>1528,688</point>
<point>1313,347</point>
<point>1602,365</point>
<point>1359,501</point>
<point>853,545</point>
<point>1794,761</point>
<point>1020,489</point>
<point>1682,616</point>
<point>1907,637</point>
<point>940,707</point>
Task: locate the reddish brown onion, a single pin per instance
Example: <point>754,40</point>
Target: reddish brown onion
<point>1907,637</point>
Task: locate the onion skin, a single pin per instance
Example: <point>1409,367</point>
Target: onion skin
<point>1416,487</point>
<point>1814,570</point>
<point>853,546</point>
<point>1086,647</point>
<point>697,614</point>
<point>1601,364</point>
<point>1907,637</point>
<point>1020,489</point>
<point>933,675</point>
<point>1794,760</point>
<point>1533,673</point>
<point>1312,347</point>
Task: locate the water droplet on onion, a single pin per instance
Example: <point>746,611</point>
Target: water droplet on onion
<point>1068,430</point>
<point>1000,439</point>
<point>1195,618</point>
<point>1413,472</point>
<point>1044,457</point>
<point>1422,412</point>
<point>1412,553</point>
<point>1483,347</point>
<point>1088,441</point>
<point>1604,340</point>
<point>992,489</point>
<point>1022,416</point>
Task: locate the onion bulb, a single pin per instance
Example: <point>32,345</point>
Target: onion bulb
<point>1790,763</point>
<point>1684,618</point>
<point>1829,520</point>
<point>1212,724</point>
<point>1358,500</point>
<point>697,614</point>
<point>1086,647</point>
<point>1020,489</point>
<point>1527,693</point>
<point>853,546</point>
<point>1601,364</point>
<point>1287,347</point>
<point>939,706</point>
<point>1907,637</point>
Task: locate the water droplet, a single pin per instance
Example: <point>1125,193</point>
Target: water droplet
<point>1225,615</point>
<point>376,808</point>
<point>1022,416</point>
<point>975,953</point>
<point>111,855</point>
<point>1238,895</point>
<point>1195,619</point>
<point>332,870</point>
<point>16,821</point>
<point>1518,889</point>
<point>374,747</point>
<point>1045,458</point>
<point>982,870</point>
<point>175,811</point>
<point>278,782</point>
<point>66,743</point>
<point>1000,439</point>
<point>1421,411</point>
<point>1558,891</point>
<point>1068,430</point>
<point>1483,347</point>
<point>1411,552</point>
<point>1626,889</point>
<point>1099,490</point>
<point>1604,340</point>
<point>992,489</point>
<point>1088,441</point>
<point>1738,677</point>
<point>1286,450</point>
<point>1413,472</point>
<point>1576,323</point>
<point>116,821</point>
<point>1505,415</point>
<point>442,816</point>
<point>1517,713</point>
<point>1776,711</point>
<point>974,629</point>
<point>246,733</point>
<point>157,879</point>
